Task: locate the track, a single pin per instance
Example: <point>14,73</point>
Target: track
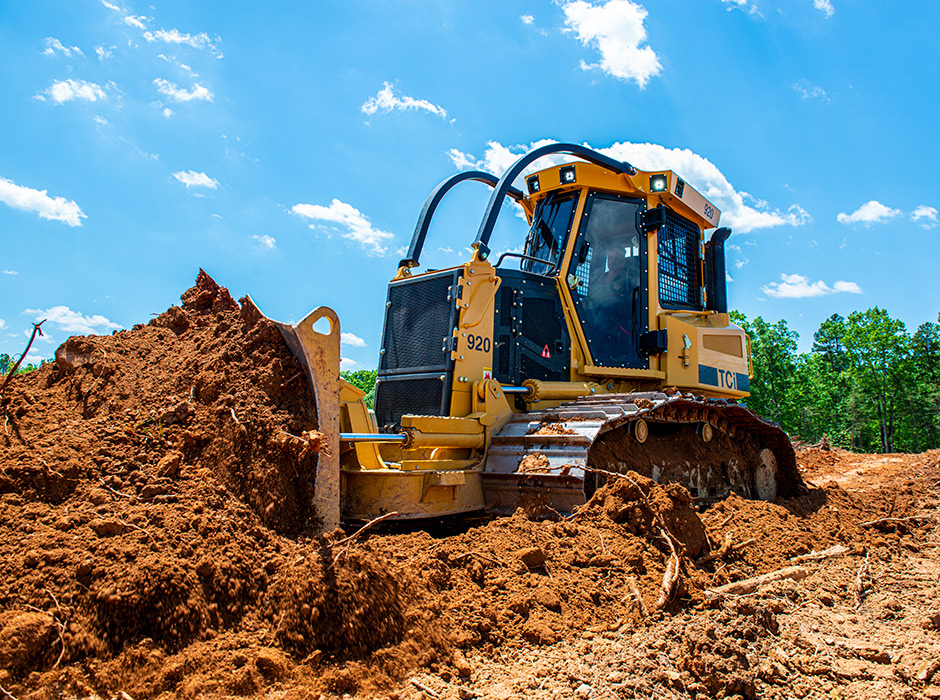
<point>712,447</point>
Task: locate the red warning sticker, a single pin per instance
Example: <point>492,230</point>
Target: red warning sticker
<point>545,352</point>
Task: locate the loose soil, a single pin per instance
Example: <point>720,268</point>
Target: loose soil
<point>157,541</point>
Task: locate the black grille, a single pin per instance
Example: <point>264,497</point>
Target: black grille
<point>680,283</point>
<point>398,396</point>
<point>419,319</point>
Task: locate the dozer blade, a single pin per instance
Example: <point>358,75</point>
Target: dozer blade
<point>319,355</point>
<point>558,457</point>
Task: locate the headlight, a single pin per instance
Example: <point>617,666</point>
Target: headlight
<point>658,183</point>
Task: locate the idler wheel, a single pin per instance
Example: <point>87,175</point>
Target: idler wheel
<point>765,476</point>
<point>641,430</point>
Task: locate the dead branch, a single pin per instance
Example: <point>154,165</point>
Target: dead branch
<point>349,541</point>
<point>481,555</point>
<point>114,491</point>
<point>893,521</point>
<point>7,693</point>
<point>836,551</point>
<point>727,547</point>
<point>635,591</point>
<point>59,625</point>
<point>670,576</point>
<point>36,329</point>
<point>423,688</point>
<point>792,573</point>
<point>136,527</point>
<point>861,587</point>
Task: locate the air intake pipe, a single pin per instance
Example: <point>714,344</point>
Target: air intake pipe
<point>716,290</point>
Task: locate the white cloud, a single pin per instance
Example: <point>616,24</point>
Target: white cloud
<point>824,6</point>
<point>138,21</point>
<point>386,101</point>
<point>745,5</point>
<point>843,286</point>
<point>616,30</point>
<point>72,321</point>
<point>191,178</point>
<point>872,212</point>
<point>926,215</point>
<point>809,91</point>
<point>739,210</point>
<point>28,199</point>
<point>64,90</point>
<point>167,112</point>
<point>357,227</point>
<point>175,36</point>
<point>265,241</point>
<point>346,364</point>
<point>527,19</point>
<point>111,6</point>
<point>2,323</point>
<point>800,287</point>
<point>352,340</point>
<point>9,272</point>
<point>165,87</point>
<point>103,52</point>
<point>53,45</point>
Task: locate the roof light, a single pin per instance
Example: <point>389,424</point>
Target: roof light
<point>658,183</point>
<point>533,183</point>
<point>566,175</point>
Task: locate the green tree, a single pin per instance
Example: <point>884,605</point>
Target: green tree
<point>363,379</point>
<point>773,349</point>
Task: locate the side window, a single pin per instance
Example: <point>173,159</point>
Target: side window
<point>549,231</point>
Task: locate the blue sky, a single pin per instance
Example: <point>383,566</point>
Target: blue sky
<point>287,148</point>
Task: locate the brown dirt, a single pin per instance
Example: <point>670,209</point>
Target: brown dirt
<point>156,541</point>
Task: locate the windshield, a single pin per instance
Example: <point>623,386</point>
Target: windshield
<point>550,227</point>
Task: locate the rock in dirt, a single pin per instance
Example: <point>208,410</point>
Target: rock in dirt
<point>532,557</point>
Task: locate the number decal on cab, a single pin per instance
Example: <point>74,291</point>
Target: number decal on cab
<point>478,343</point>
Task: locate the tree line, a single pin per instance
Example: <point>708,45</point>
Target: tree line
<point>867,385</point>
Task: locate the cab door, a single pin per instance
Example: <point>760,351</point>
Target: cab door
<point>607,277</point>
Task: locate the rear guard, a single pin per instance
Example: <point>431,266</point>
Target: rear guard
<point>319,354</point>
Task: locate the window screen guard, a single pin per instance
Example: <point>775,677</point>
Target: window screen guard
<point>680,269</point>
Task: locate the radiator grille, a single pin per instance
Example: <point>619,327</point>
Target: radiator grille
<point>398,396</point>
<point>680,283</point>
<point>418,321</point>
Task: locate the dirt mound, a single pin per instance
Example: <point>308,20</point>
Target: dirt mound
<point>156,488</point>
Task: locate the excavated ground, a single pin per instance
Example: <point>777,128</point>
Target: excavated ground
<point>155,542</point>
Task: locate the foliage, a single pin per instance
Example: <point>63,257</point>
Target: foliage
<point>7,362</point>
<point>362,379</point>
<point>867,384</point>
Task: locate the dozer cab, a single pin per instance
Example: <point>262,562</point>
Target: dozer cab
<point>605,346</point>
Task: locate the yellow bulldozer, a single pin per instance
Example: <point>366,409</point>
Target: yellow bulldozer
<point>604,346</point>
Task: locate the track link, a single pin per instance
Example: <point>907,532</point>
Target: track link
<point>713,447</point>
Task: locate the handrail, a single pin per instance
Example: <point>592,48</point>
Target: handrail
<point>430,206</point>
<point>511,254</point>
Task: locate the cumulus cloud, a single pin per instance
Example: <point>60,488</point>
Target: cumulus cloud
<point>167,112</point>
<point>745,5</point>
<point>739,210</point>
<point>177,94</point>
<point>824,6</point>
<point>386,101</point>
<point>138,21</point>
<point>38,201</point>
<point>9,272</point>
<point>64,90</point>
<point>527,19</point>
<point>175,36</point>
<point>103,52</point>
<point>352,340</point>
<point>191,178</point>
<point>800,287</point>
<point>111,6</point>
<point>872,212</point>
<point>53,45</point>
<point>927,216</point>
<point>264,241</point>
<point>354,225</point>
<point>345,364</point>
<point>616,30</point>
<point>72,321</point>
